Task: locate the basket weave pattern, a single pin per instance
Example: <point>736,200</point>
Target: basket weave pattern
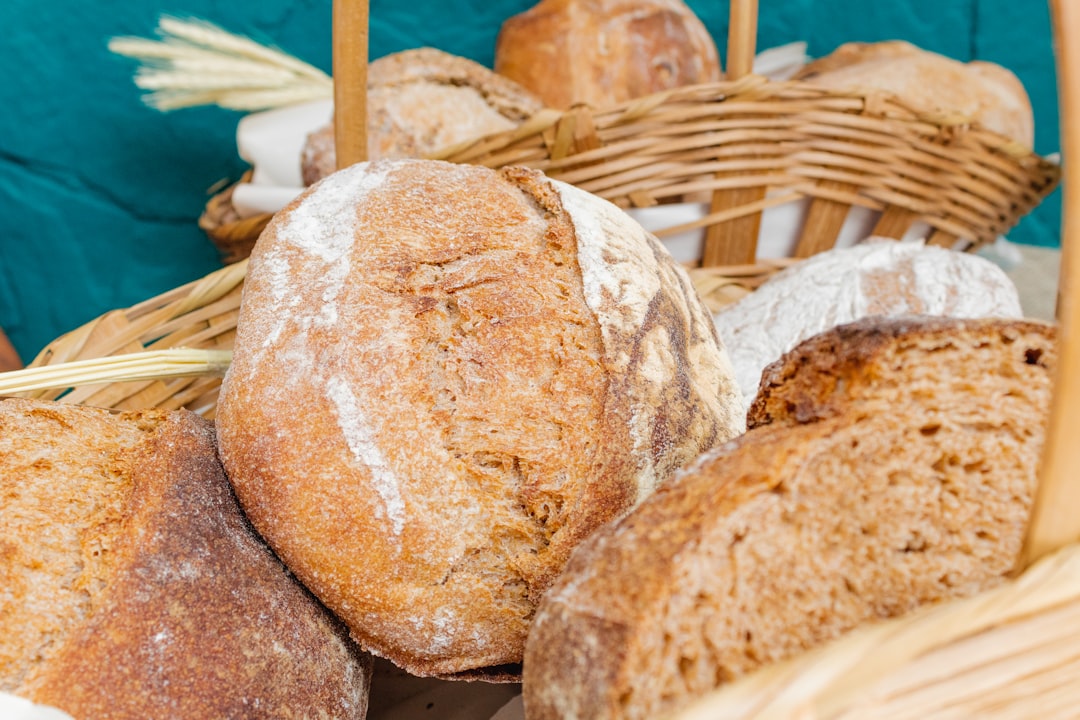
<point>795,140</point>
<point>753,144</point>
<point>201,314</point>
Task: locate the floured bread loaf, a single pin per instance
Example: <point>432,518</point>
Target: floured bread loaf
<point>604,52</point>
<point>984,92</point>
<point>421,101</point>
<point>898,469</point>
<point>132,587</point>
<point>839,286</point>
<point>444,378</point>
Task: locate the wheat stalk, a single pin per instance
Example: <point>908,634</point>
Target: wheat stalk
<point>197,63</point>
<point>147,365</point>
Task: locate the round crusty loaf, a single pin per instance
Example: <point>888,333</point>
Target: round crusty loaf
<point>423,100</point>
<point>877,277</point>
<point>444,378</point>
<point>132,587</point>
<point>604,52</point>
<point>984,92</point>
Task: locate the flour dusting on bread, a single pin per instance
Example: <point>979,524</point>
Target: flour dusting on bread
<point>360,440</point>
<point>468,372</point>
<point>616,265</point>
<point>878,277</point>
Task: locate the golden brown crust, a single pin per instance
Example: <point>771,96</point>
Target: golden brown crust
<point>510,99</point>
<point>190,614</point>
<point>796,532</point>
<point>853,53</point>
<point>824,375</point>
<point>603,52</point>
<point>422,100</point>
<point>983,92</point>
<point>443,380</point>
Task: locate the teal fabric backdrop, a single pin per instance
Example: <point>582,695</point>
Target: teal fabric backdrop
<point>99,195</point>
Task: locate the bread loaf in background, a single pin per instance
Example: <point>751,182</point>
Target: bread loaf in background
<point>877,277</point>
<point>892,464</point>
<point>444,378</point>
<point>984,92</point>
<point>9,357</point>
<point>603,52</point>
<point>132,587</point>
<point>421,101</point>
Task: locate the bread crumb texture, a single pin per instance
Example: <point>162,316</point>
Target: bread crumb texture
<point>444,378</point>
<point>895,468</point>
<point>132,587</point>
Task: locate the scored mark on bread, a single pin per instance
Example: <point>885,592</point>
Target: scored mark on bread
<point>365,450</point>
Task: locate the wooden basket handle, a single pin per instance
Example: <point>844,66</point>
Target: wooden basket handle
<point>1055,518</point>
<point>350,59</point>
<point>742,38</point>
<point>350,29</point>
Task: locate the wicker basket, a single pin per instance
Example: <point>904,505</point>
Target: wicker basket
<point>201,314</point>
<point>752,145</point>
<point>1010,652</point>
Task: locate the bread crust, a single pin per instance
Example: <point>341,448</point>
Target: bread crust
<point>421,101</point>
<point>827,373</point>
<point>890,496</point>
<point>983,92</point>
<point>430,405</point>
<point>189,613</point>
<point>604,52</point>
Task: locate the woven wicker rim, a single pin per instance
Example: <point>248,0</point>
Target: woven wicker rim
<point>753,144</point>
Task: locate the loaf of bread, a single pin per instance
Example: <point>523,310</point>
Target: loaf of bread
<point>9,357</point>
<point>131,586</point>
<point>984,92</point>
<point>892,464</point>
<point>603,52</point>
<point>421,101</point>
<point>444,378</point>
<point>842,285</point>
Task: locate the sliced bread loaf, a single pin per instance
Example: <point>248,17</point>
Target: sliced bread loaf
<point>132,587</point>
<point>893,465</point>
<point>444,378</point>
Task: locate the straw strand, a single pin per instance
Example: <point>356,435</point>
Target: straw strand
<point>147,365</point>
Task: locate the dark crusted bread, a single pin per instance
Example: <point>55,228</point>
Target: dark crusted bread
<point>444,378</point>
<point>877,362</point>
<point>907,479</point>
<point>132,587</point>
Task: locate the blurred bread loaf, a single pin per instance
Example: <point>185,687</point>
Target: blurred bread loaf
<point>9,357</point>
<point>882,277</point>
<point>444,378</point>
<point>985,92</point>
<point>132,587</point>
<point>423,100</point>
<point>603,52</point>
<point>891,464</point>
